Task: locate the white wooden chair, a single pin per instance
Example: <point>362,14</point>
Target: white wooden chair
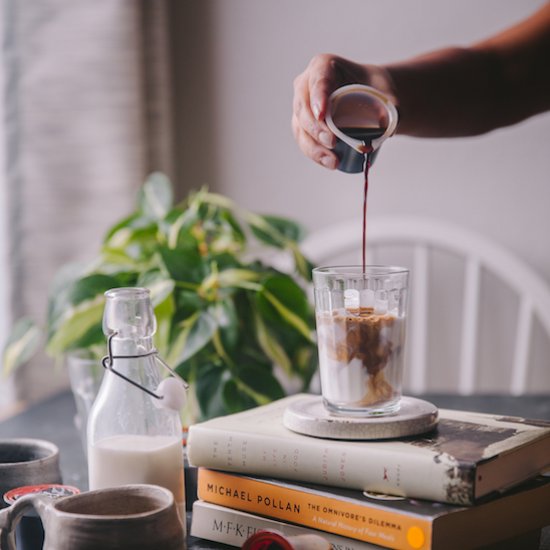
<point>335,245</point>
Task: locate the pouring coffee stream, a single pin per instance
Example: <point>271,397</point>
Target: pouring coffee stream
<point>365,194</point>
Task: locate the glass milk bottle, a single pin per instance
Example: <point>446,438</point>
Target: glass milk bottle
<point>134,435</point>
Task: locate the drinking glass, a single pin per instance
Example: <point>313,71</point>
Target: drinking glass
<point>361,321</point>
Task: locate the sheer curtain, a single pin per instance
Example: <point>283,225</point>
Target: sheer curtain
<point>87,115</point>
<point>7,397</point>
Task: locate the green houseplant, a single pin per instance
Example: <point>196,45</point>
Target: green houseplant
<point>228,321</point>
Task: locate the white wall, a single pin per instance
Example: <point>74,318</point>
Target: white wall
<point>236,64</point>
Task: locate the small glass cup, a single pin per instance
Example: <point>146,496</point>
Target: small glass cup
<point>361,321</point>
<point>85,375</point>
<point>361,118</point>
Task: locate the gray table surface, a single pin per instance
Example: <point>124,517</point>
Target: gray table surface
<point>53,420</point>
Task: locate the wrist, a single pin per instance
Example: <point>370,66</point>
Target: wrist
<point>379,77</point>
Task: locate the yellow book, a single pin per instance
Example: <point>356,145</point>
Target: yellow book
<point>397,523</point>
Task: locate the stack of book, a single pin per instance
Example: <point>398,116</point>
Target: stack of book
<point>472,483</point>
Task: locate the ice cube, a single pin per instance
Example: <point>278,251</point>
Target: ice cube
<point>351,298</point>
<point>380,302</point>
<point>367,297</point>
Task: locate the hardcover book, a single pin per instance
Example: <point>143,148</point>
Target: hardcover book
<point>233,527</point>
<point>468,456</point>
<point>391,522</point>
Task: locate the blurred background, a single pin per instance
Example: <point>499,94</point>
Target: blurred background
<point>96,95</point>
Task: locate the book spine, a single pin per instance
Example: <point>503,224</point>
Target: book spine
<point>412,474</point>
<point>391,529</point>
<point>233,527</point>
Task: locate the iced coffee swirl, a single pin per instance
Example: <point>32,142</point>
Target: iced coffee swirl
<point>357,348</point>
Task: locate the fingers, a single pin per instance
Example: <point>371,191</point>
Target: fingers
<point>311,91</point>
<point>322,81</point>
<point>309,117</point>
<point>312,148</point>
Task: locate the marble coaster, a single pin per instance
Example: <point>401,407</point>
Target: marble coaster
<point>309,416</point>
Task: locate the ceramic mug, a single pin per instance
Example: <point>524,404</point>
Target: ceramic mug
<point>131,517</point>
<point>27,462</point>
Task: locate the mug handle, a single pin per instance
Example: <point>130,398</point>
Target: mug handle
<point>9,517</point>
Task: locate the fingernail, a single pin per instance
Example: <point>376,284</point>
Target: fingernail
<point>328,162</point>
<point>326,139</point>
<point>316,110</point>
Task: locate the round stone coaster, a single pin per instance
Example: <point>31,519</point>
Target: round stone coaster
<point>309,416</point>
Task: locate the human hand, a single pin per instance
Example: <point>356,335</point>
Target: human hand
<point>312,89</point>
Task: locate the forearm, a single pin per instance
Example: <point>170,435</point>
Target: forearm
<point>444,94</point>
<point>469,91</point>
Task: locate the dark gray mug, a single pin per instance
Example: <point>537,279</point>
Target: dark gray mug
<point>27,462</point>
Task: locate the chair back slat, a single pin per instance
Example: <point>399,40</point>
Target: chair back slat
<point>419,319</point>
<point>470,323</point>
<point>521,352</point>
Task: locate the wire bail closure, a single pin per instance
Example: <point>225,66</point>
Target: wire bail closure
<point>108,361</point>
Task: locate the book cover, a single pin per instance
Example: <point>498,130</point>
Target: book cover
<point>468,456</point>
<point>400,523</point>
<point>233,527</point>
